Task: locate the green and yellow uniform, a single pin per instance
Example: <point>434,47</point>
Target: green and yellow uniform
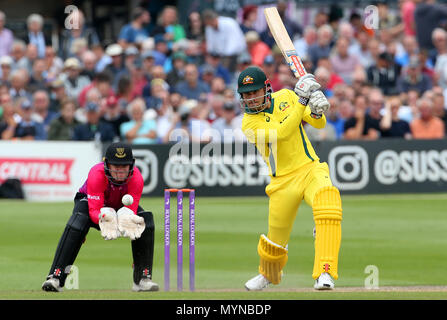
<point>296,174</point>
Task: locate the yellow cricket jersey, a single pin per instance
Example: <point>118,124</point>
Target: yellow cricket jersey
<point>279,135</point>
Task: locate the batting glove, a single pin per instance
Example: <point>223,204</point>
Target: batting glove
<point>306,85</point>
<point>129,224</point>
<point>108,223</point>
<point>318,104</point>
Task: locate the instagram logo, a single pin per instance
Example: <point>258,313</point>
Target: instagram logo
<point>349,167</point>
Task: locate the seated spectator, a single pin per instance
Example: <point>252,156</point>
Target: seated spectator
<point>439,39</point>
<point>228,126</point>
<point>365,124</point>
<point>334,78</point>
<point>195,27</point>
<point>62,127</point>
<point>168,115</point>
<point>384,74</point>
<point>409,111</point>
<point>427,126</point>
<point>30,55</point>
<point>89,63</point>
<point>390,125</point>
<point>94,129</point>
<point>139,130</point>
<point>214,60</point>
<point>102,59</point>
<point>439,109</point>
<point>6,37</point>
<point>38,78</point>
<point>116,67</point>
<point>138,78</point>
<point>343,62</point>
<point>168,26</point>
<point>322,48</point>
<point>177,73</point>
<point>191,87</point>
<point>161,52</point>
<point>249,16</point>
<point>55,64</point>
<point>135,31</point>
<point>328,133</point>
<point>74,82</point>
<point>158,94</point>
<point>302,44</point>
<point>9,119</point>
<point>257,49</point>
<point>41,109</point>
<point>124,92</point>
<point>102,82</point>
<point>411,48</point>
<point>35,35</point>
<point>19,78</point>
<point>114,114</point>
<point>322,75</point>
<point>362,50</point>
<point>27,128</point>
<point>6,63</point>
<point>337,117</point>
<point>413,78</point>
<point>18,54</point>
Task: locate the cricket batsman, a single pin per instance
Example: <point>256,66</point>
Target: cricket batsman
<point>98,204</point>
<point>273,122</point>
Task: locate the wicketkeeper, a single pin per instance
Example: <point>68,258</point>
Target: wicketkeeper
<point>273,121</point>
<point>98,204</point>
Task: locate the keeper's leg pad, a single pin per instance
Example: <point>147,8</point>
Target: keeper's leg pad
<point>69,245</point>
<point>327,213</point>
<point>143,248</point>
<point>273,258</point>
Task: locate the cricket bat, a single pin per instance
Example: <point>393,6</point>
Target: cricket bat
<point>283,41</point>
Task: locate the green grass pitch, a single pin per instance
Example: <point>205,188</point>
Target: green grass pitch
<point>404,236</point>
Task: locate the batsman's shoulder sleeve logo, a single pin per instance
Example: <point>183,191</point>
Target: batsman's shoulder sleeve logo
<point>247,80</point>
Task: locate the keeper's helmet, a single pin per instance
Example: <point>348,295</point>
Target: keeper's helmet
<point>119,153</point>
<point>252,79</point>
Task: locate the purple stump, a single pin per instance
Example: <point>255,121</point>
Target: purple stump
<point>167,237</point>
<point>192,239</point>
<point>179,240</point>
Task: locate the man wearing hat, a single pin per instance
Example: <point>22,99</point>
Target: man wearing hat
<point>94,129</point>
<point>273,122</point>
<point>115,51</point>
<point>27,128</point>
<point>74,82</point>
<point>98,204</point>
<point>384,74</point>
<point>177,73</point>
<point>413,78</point>
<point>6,63</point>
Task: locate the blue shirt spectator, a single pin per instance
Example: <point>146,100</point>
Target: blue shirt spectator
<point>94,129</point>
<point>192,87</point>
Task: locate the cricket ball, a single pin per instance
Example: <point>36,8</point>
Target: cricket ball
<point>127,200</point>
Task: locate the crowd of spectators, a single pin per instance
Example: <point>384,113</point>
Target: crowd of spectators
<point>160,75</point>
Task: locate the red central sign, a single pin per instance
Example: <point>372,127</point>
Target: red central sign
<point>36,171</point>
